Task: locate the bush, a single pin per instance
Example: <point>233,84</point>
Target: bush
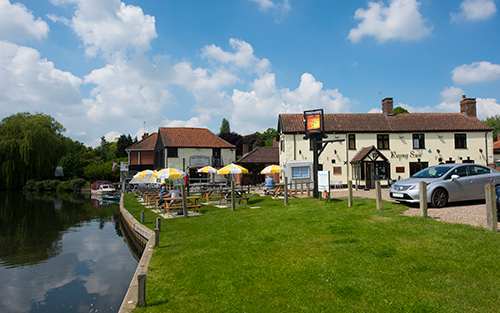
<point>30,184</point>
<point>39,186</point>
<point>77,184</point>
<point>51,184</point>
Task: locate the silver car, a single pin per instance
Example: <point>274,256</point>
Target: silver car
<point>446,183</point>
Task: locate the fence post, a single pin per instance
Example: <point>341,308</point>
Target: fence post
<point>233,201</point>
<point>141,289</point>
<point>157,237</point>
<point>349,198</point>
<point>378,193</point>
<point>423,199</point>
<point>184,203</point>
<point>158,223</point>
<point>286,190</point>
<point>301,187</point>
<point>491,207</point>
<point>308,189</point>
<point>142,217</point>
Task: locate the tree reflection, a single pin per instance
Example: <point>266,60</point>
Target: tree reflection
<point>31,227</point>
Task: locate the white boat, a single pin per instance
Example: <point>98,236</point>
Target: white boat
<point>103,187</point>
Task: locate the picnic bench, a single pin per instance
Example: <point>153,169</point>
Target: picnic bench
<point>176,203</point>
<point>211,194</point>
<point>149,196</point>
<point>239,195</point>
<point>279,189</point>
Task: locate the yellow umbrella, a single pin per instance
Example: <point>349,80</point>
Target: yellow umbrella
<point>207,169</point>
<point>169,172</point>
<point>232,169</point>
<point>146,173</point>
<point>273,169</point>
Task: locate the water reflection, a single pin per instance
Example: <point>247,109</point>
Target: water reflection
<point>61,254</point>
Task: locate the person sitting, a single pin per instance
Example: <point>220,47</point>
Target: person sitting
<point>163,194</point>
<point>269,184</point>
<point>175,194</point>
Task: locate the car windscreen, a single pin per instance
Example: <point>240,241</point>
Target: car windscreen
<point>432,172</point>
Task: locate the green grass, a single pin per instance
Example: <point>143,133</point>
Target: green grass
<point>314,256</point>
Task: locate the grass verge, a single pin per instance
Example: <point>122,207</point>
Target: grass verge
<point>314,256</point>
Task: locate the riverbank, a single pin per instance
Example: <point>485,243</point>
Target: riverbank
<point>313,255</point>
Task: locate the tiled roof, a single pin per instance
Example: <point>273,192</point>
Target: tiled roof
<point>364,152</point>
<point>267,155</point>
<point>188,137</point>
<point>496,145</point>
<point>379,122</point>
<point>147,143</point>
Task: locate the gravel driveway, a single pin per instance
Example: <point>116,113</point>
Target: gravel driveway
<point>467,212</point>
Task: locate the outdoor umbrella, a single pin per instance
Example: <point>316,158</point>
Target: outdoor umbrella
<point>273,169</point>
<point>207,169</point>
<point>169,173</point>
<point>232,169</point>
<point>146,173</point>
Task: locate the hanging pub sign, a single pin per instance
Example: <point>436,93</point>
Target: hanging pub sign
<point>313,120</point>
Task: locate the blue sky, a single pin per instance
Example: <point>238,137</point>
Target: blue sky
<point>107,67</point>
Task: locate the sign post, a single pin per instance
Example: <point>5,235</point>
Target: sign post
<point>315,132</point>
<point>324,184</point>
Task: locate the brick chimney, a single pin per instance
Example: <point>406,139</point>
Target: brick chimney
<point>246,148</point>
<point>145,135</point>
<point>275,142</point>
<point>468,106</point>
<point>387,106</point>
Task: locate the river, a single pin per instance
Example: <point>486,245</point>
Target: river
<point>61,254</point>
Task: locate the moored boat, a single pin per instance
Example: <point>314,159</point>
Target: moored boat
<point>103,187</point>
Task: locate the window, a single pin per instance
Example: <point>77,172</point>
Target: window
<point>300,172</point>
<point>418,141</point>
<point>383,142</point>
<point>172,153</point>
<point>352,141</point>
<point>337,170</point>
<point>460,171</point>
<point>460,141</point>
<point>478,170</point>
<point>417,167</point>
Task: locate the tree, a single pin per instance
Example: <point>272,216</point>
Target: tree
<point>494,122</point>
<point>30,147</point>
<point>266,139</point>
<point>225,128</point>
<point>123,143</point>
<point>399,110</point>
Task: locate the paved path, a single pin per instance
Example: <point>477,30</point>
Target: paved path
<point>467,212</point>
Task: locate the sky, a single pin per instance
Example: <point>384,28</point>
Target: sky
<point>111,67</point>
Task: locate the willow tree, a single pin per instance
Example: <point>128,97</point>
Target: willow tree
<point>30,146</point>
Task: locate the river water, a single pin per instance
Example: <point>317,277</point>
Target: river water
<point>61,254</point>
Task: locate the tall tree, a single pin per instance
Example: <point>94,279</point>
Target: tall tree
<point>494,122</point>
<point>266,139</point>
<point>399,110</point>
<point>122,143</point>
<point>225,128</point>
<point>30,147</point>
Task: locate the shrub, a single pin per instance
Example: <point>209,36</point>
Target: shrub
<point>51,184</point>
<point>30,184</point>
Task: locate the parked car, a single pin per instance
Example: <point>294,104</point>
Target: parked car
<point>446,183</point>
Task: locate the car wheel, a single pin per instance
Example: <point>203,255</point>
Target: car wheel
<point>439,198</point>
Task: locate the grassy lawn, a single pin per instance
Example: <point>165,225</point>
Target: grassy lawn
<point>314,256</point>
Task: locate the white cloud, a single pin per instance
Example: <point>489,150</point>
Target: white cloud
<point>19,24</point>
<point>474,10</point>
<point>375,110</point>
<point>451,97</point>
<point>476,72</point>
<point>111,28</point>
<point>280,9</point>
<point>30,82</point>
<point>255,109</point>
<point>487,107</point>
<point>243,57</point>
<point>193,122</point>
<point>400,20</point>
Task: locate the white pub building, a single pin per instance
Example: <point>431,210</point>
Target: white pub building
<point>385,146</point>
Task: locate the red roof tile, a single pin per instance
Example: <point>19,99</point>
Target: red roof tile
<point>379,122</point>
<point>496,145</point>
<point>188,137</point>
<point>147,143</point>
<point>267,155</point>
